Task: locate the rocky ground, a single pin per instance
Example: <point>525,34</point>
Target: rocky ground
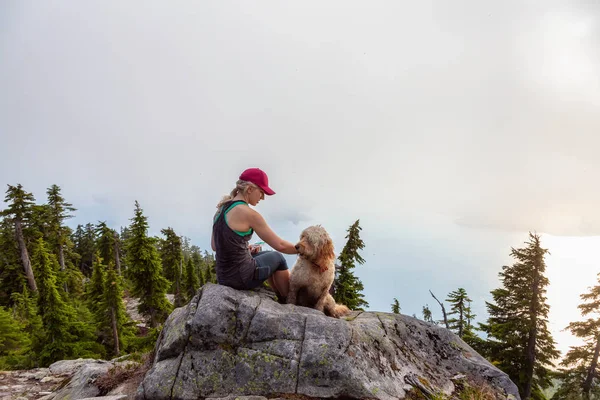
<point>61,379</point>
<point>68,379</point>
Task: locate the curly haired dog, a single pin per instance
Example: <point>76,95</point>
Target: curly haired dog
<point>313,273</point>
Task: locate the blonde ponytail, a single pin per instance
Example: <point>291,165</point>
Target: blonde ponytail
<point>240,187</point>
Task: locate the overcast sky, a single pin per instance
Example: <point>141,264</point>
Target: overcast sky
<point>449,129</point>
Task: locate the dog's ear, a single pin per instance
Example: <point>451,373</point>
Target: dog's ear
<point>327,251</point>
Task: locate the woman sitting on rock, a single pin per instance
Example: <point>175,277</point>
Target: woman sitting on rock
<point>239,264</point>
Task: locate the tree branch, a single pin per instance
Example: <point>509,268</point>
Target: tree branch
<point>443,309</point>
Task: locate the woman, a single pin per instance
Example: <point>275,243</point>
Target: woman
<point>240,265</point>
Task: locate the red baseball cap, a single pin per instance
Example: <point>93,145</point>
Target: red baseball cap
<point>259,178</point>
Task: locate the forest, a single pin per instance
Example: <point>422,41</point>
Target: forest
<point>63,293</point>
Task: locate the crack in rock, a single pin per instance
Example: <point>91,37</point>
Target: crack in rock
<point>195,311</point>
<point>300,355</point>
<point>244,339</point>
<point>382,325</point>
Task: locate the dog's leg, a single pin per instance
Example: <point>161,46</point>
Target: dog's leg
<point>322,300</point>
<point>293,293</point>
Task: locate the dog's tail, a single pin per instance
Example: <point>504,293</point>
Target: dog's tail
<point>335,310</point>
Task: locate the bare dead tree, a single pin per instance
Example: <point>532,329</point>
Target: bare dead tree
<point>443,309</point>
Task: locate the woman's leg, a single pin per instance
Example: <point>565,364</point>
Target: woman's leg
<point>280,281</point>
<point>274,264</point>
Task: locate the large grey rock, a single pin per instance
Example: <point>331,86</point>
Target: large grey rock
<point>69,367</point>
<point>82,383</point>
<point>229,342</point>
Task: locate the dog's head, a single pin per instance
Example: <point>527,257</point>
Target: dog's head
<point>315,244</point>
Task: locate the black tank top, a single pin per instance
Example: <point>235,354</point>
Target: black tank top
<point>234,264</point>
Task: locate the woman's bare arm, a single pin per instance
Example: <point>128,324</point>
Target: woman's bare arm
<point>262,229</point>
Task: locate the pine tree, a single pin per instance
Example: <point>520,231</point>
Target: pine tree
<point>581,376</point>
<point>84,239</point>
<point>172,260</point>
<point>427,316</point>
<point>519,340</point>
<point>192,282</point>
<point>12,337</point>
<point>54,311</point>
<point>96,285</point>
<point>396,306</point>
<point>210,273</point>
<point>59,210</point>
<point>348,288</point>
<point>26,313</point>
<point>105,242</point>
<point>114,312</point>
<point>460,306</point>
<point>11,268</point>
<point>19,211</point>
<point>145,271</point>
<point>198,265</point>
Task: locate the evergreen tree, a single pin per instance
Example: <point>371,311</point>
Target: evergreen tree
<point>26,313</point>
<point>210,273</point>
<point>114,312</point>
<point>427,316</point>
<point>396,306</point>
<point>96,285</point>
<point>145,271</point>
<point>582,374</point>
<point>348,288</point>
<point>108,244</point>
<point>519,340</point>
<point>20,206</point>
<point>54,311</point>
<point>105,242</point>
<point>172,260</point>
<point>198,261</point>
<point>58,211</point>
<point>84,239</point>
<point>460,306</point>
<point>12,337</point>
<point>11,268</point>
<point>192,282</point>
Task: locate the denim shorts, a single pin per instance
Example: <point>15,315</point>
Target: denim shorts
<point>267,262</point>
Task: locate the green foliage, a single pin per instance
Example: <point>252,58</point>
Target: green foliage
<point>57,211</point>
<point>12,277</point>
<point>520,313</point>
<point>210,273</point>
<point>115,326</point>
<point>20,203</point>
<point>19,213</point>
<point>348,288</point>
<point>427,316</point>
<point>25,312</point>
<point>192,283</point>
<point>145,271</point>
<point>64,318</point>
<point>12,337</point>
<point>143,344</point>
<point>95,287</point>
<point>580,364</point>
<point>171,253</point>
<point>84,239</point>
<point>199,265</point>
<point>105,242</point>
<point>461,307</point>
<point>54,311</point>
<point>396,306</point>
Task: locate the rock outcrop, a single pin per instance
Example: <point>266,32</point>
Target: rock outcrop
<point>227,342</point>
<point>63,380</point>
